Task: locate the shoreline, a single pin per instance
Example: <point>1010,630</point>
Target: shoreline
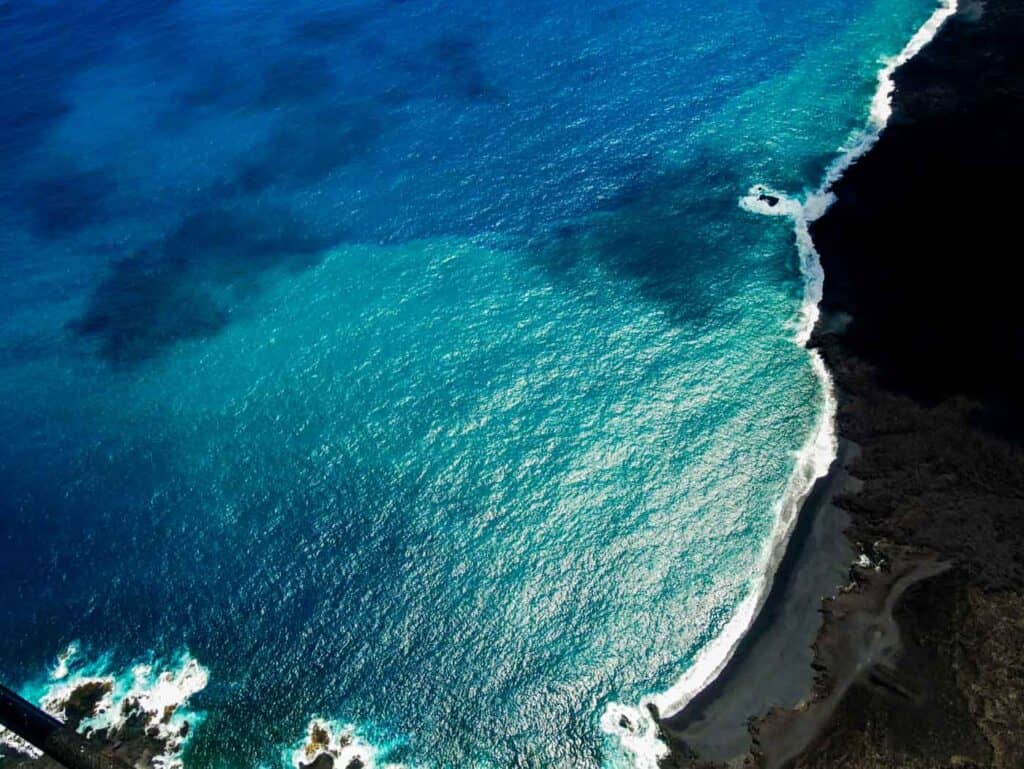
<point>772,663</point>
<point>913,663</point>
<point>816,457</point>
<point>816,460</point>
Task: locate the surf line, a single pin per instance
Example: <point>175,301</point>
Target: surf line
<point>633,726</point>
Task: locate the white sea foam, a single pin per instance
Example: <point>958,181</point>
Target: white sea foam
<point>52,697</point>
<point>633,726</point>
<point>636,732</point>
<point>160,694</point>
<point>60,670</point>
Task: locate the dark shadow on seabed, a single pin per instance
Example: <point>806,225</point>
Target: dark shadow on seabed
<point>174,290</point>
<point>182,285</point>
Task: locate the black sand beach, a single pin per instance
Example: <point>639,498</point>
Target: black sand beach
<point>772,664</point>
<point>919,661</point>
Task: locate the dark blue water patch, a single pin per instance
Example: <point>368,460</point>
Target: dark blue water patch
<point>456,60</point>
<point>46,46</point>
<point>332,113</point>
<point>343,63</point>
<point>405,53</point>
<point>69,517</point>
<point>340,26</point>
<point>23,349</point>
<point>296,78</point>
<point>174,289</point>
<point>146,305</point>
<point>308,146</point>
<point>224,84</point>
<point>62,202</point>
<point>653,233</point>
<point>337,25</point>
<point>217,85</point>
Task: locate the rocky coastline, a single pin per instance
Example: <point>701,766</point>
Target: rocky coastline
<point>137,737</point>
<point>919,658</point>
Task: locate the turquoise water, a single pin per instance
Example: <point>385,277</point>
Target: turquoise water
<point>410,365</point>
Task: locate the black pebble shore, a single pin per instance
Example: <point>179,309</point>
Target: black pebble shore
<point>919,658</point>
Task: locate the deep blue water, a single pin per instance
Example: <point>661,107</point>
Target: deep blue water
<point>409,364</point>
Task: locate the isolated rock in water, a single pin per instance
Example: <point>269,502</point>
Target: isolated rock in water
<point>322,761</point>
<point>330,746</point>
<point>319,739</point>
<point>771,200</point>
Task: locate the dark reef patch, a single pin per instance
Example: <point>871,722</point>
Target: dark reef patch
<point>306,148</point>
<point>219,84</point>
<point>636,179</point>
<point>296,79</point>
<point>179,288</point>
<point>33,80</point>
<point>455,61</point>
<point>647,234</point>
<point>145,305</point>
<point>336,25</point>
<point>66,202</point>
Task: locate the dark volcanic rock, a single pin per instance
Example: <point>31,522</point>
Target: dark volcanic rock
<point>137,738</point>
<point>918,249</point>
<point>323,761</point>
<point>84,701</point>
<point>920,246</point>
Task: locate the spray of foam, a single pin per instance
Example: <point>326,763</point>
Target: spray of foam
<point>61,670</point>
<point>636,733</point>
<point>633,727</point>
<point>341,743</point>
<point>150,692</point>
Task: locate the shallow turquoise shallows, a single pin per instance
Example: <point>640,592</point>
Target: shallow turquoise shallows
<point>410,365</point>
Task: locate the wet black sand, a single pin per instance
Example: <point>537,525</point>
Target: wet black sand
<point>772,664</point>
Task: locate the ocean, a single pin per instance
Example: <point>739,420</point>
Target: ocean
<point>425,368</point>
